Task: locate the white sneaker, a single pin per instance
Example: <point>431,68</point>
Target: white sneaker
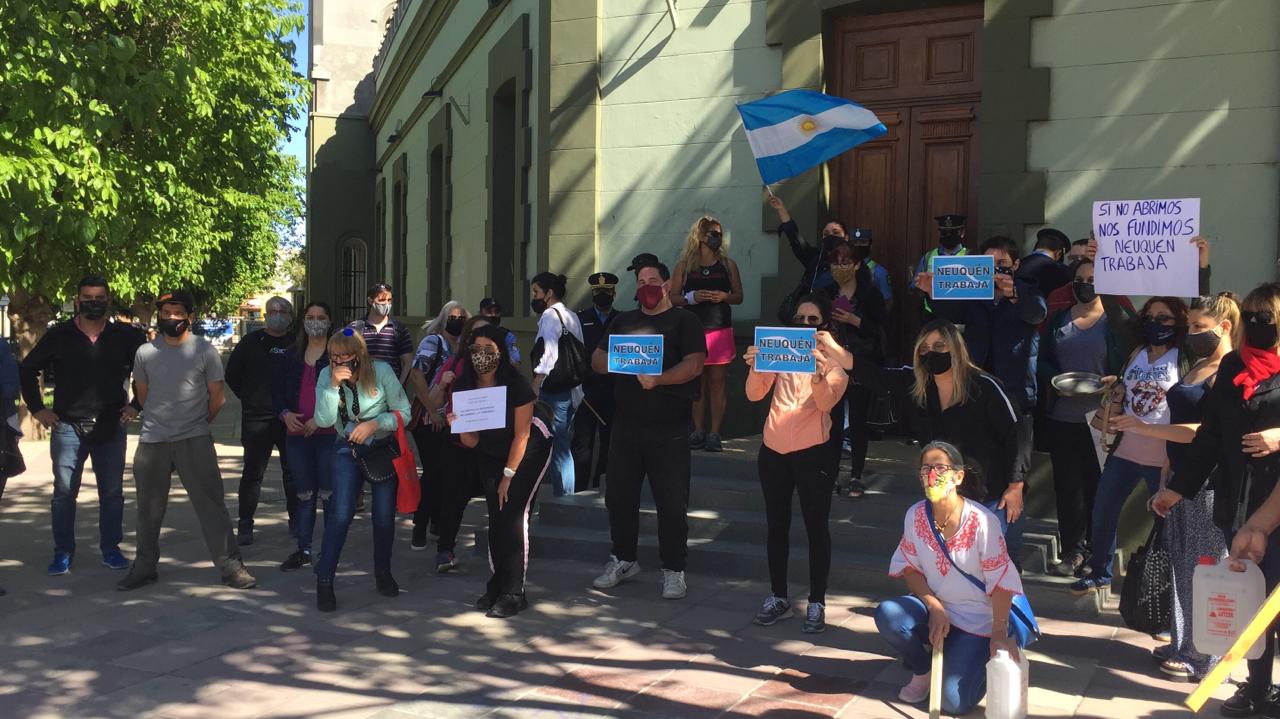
<point>673,586</point>
<point>917,690</point>
<point>615,572</point>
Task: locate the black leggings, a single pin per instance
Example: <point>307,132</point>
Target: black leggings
<point>857,401</point>
<point>807,472</point>
<point>1075,481</point>
<point>458,483</point>
<point>509,524</point>
<point>430,443</point>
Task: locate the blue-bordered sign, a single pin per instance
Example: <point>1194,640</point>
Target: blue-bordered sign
<point>972,277</point>
<point>635,354</point>
<point>786,349</point>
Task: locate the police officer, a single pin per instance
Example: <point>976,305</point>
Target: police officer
<point>860,238</point>
<point>596,417</point>
<point>950,244</point>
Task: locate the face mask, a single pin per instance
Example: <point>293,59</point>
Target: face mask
<point>1203,344</point>
<point>1156,334</point>
<point>714,241</point>
<point>173,328</point>
<point>1084,292</point>
<point>951,240</point>
<point>453,325</point>
<point>538,306</point>
<point>844,273</point>
<point>93,309</point>
<point>1261,336</point>
<point>353,365</point>
<point>943,485</point>
<point>937,362</point>
<point>484,362</point>
<point>315,328</point>
<point>649,296</point>
<point>603,300</point>
<point>829,242</point>
<point>278,323</point>
<point>382,308</point>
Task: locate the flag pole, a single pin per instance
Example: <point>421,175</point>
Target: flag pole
<point>769,190</point>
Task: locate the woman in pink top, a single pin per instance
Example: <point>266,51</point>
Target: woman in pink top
<point>795,458</point>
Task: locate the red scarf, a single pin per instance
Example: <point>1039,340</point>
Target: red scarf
<point>1258,366</point>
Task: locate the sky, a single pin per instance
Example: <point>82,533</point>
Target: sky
<point>297,145</point>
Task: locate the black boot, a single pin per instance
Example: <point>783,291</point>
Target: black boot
<point>507,605</point>
<point>387,586</point>
<point>325,599</point>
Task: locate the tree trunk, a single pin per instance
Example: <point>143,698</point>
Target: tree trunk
<point>30,315</point>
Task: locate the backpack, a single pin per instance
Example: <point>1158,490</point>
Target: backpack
<point>572,365</point>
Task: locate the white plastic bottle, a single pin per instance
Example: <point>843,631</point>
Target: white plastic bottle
<point>1223,602</point>
<point>1007,686</point>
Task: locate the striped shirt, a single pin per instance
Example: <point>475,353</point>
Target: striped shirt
<point>388,344</point>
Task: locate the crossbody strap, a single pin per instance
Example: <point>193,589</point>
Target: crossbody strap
<point>564,329</point>
<point>942,545</point>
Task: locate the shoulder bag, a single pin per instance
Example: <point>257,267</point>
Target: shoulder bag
<point>571,362</point>
<point>1146,599</point>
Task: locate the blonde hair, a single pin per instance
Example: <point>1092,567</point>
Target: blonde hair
<point>961,364</point>
<point>690,257</point>
<point>1264,297</point>
<point>350,341</point>
<point>1223,307</point>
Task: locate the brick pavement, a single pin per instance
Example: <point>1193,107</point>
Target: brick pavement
<point>187,647</point>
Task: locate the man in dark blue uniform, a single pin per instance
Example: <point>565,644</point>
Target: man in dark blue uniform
<point>598,389</point>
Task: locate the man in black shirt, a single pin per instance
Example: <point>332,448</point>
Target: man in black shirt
<point>652,430</point>
<point>597,418</point>
<point>248,374</point>
<point>91,360</point>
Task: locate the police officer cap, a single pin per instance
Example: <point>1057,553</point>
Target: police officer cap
<point>860,236</point>
<point>950,222</point>
<point>603,281</point>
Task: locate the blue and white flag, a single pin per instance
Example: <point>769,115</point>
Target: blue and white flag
<point>798,129</point>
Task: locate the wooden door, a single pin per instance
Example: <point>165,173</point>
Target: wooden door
<point>919,72</point>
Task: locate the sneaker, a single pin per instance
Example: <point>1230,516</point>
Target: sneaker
<point>297,560</point>
<point>815,618</point>
<point>774,609</point>
<point>1246,702</point>
<point>506,605</point>
<point>917,690</point>
<point>134,581</point>
<point>325,599</point>
<point>1070,564</point>
<point>856,489</point>
<point>673,586</point>
<point>114,560</point>
<point>240,578</point>
<point>840,488</point>
<point>485,601</point>
<point>616,572</point>
<point>1089,585</point>
<point>713,443</point>
<point>697,440</point>
<point>419,542</point>
<point>445,562</point>
<point>244,536</point>
<point>61,564</point>
<point>386,583</point>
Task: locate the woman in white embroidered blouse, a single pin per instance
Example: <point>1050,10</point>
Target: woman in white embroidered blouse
<point>945,606</point>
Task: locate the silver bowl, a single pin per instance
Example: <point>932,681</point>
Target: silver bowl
<point>1078,384</point>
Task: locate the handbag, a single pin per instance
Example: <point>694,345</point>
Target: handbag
<point>1146,600</point>
<point>1112,406</point>
<point>376,461</point>
<point>1022,621</point>
<point>571,366</point>
<point>408,489</point>
<point>11,462</point>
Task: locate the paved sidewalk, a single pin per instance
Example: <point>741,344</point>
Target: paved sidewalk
<point>72,646</point>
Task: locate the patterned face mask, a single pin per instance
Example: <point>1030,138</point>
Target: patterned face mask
<point>484,362</point>
<point>940,485</point>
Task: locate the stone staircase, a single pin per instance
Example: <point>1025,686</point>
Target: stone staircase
<point>727,529</point>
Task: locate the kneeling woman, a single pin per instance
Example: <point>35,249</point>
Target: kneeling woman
<point>511,461</point>
<point>359,398</point>
<point>943,605</point>
<point>796,458</point>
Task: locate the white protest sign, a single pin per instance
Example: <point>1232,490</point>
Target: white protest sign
<point>479,409</point>
<point>1145,247</point>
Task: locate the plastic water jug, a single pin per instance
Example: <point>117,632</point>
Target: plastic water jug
<point>1007,686</point>
<point>1223,602</point>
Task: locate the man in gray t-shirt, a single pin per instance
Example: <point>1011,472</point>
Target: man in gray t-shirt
<point>179,384</point>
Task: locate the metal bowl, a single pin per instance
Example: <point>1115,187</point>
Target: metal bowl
<point>1078,384</point>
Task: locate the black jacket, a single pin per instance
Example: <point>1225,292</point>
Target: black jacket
<point>1002,337</point>
<point>286,378</point>
<point>866,342</point>
<point>90,377</point>
<point>249,372</point>
<point>1041,270</point>
<point>598,387</point>
<point>1241,483</point>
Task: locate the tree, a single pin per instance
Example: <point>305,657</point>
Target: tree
<point>141,140</point>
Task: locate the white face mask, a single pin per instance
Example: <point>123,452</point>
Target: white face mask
<point>382,308</point>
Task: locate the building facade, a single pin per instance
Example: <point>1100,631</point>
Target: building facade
<point>461,146</point>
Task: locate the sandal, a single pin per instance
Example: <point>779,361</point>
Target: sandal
<point>1178,669</point>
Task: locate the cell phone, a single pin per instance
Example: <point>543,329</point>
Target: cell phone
<point>1004,270</point>
<point>842,303</point>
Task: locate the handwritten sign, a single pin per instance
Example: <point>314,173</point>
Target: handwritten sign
<point>786,349</point>
<point>635,354</point>
<point>479,409</point>
<point>971,277</point>
<point>1145,248</point>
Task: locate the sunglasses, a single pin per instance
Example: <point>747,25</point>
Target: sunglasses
<point>935,347</point>
<point>1160,319</point>
<point>807,320</point>
<point>1261,317</point>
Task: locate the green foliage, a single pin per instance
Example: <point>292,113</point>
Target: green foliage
<point>141,139</point>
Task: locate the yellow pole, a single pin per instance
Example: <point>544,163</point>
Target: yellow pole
<point>1251,633</point>
<point>935,684</point>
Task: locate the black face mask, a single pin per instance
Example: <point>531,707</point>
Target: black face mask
<point>1084,292</point>
<point>1261,336</point>
<point>829,242</point>
<point>538,306</point>
<point>951,240</point>
<point>453,325</point>
<point>1156,334</point>
<point>603,300</point>
<point>93,309</point>
<point>714,241</point>
<point>173,328</point>
<point>1203,344</point>
<point>937,362</point>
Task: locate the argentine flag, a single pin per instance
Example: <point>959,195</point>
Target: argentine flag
<point>798,129</point>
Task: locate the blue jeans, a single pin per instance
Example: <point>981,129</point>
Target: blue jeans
<point>904,623</point>
<point>1012,532</point>
<point>312,472</point>
<point>1119,477</point>
<point>562,446</point>
<point>68,454</point>
<point>342,507</point>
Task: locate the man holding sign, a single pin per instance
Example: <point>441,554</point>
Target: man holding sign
<point>660,348</point>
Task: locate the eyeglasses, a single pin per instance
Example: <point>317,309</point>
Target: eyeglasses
<point>935,347</point>
<point>927,469</point>
<point>807,320</point>
<point>846,263</point>
<point>1160,319</point>
<point>1261,317</point>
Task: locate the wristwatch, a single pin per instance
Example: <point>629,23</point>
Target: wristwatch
<point>508,472</point>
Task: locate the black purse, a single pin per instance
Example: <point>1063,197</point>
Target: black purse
<point>1146,600</point>
<point>11,462</point>
<point>374,461</point>
<point>571,366</point>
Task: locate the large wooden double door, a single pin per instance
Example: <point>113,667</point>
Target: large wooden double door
<point>919,72</point>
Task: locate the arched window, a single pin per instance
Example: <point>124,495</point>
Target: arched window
<point>351,279</point>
